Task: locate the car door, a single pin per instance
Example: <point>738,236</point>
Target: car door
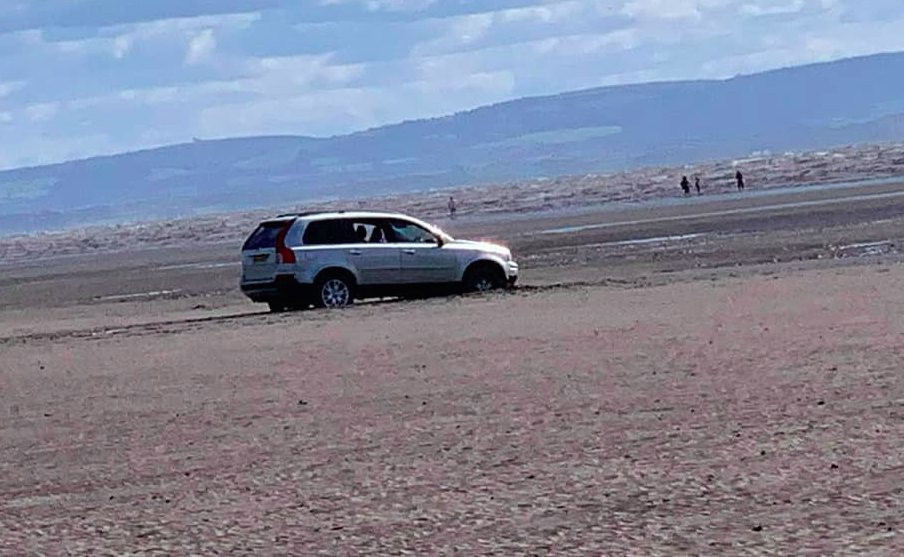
<point>424,260</point>
<point>378,262</point>
<point>336,242</point>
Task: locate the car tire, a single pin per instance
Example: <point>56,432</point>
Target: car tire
<point>334,291</point>
<point>277,307</point>
<point>483,279</point>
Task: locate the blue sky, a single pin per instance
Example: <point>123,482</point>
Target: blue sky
<point>86,77</point>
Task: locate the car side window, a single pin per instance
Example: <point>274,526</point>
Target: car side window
<point>329,232</point>
<point>371,231</point>
<point>408,232</point>
<point>375,231</point>
<point>381,233</point>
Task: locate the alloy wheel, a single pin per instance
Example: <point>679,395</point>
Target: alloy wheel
<point>484,284</point>
<point>335,293</point>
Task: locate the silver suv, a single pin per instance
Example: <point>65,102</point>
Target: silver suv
<point>331,259</point>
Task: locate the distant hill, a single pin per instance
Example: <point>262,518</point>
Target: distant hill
<point>596,130</point>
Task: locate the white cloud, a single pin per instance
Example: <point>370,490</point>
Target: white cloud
<point>122,45</point>
<point>42,112</point>
<point>502,27</point>
<point>586,45</point>
<point>6,117</point>
<point>7,88</point>
<point>670,9</point>
<point>152,96</point>
<point>29,37</point>
<point>345,107</point>
<point>158,96</point>
<point>274,77</point>
<point>35,147</point>
<point>201,47</point>
<point>385,5</point>
<point>808,45</point>
<point>118,41</point>
<point>462,31</point>
<point>292,75</point>
<point>398,5</point>
<point>547,13</point>
<point>758,10</point>
<point>188,26</point>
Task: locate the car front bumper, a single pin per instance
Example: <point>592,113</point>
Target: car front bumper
<point>512,270</point>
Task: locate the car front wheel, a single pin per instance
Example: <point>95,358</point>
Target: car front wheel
<point>484,279</point>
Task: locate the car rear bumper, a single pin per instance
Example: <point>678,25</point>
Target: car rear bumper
<point>284,287</point>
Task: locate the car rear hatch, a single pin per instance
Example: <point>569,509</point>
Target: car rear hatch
<point>265,250</point>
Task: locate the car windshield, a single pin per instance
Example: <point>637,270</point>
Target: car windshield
<point>446,238</point>
<point>437,231</point>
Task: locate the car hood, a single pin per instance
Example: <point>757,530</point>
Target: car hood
<point>480,246</point>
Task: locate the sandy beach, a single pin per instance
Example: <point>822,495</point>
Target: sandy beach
<point>701,377</point>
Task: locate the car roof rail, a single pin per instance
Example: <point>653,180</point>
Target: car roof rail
<point>310,213</point>
<point>301,214</point>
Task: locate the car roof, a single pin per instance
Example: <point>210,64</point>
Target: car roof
<point>311,216</point>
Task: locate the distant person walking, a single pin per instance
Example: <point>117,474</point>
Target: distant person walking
<point>697,184</point>
<point>685,185</point>
<point>740,178</point>
<point>452,207</point>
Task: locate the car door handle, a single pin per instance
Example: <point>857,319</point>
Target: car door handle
<point>354,251</point>
<point>409,251</point>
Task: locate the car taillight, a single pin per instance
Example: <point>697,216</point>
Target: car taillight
<point>283,253</point>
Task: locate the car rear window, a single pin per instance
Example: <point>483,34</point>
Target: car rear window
<point>265,236</point>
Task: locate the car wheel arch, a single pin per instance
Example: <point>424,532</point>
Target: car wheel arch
<point>334,270</point>
<point>483,263</point>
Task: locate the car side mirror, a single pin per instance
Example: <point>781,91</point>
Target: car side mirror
<point>439,241</point>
